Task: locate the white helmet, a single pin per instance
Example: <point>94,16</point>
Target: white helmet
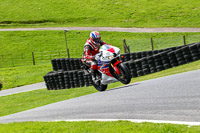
<point>95,37</point>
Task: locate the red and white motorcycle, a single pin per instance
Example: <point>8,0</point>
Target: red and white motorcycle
<point>110,68</point>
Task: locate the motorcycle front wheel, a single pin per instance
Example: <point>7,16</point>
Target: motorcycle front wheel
<point>124,76</point>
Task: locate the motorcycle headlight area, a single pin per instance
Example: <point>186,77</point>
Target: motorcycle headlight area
<point>110,57</point>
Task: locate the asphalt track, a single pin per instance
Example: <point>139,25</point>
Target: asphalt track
<point>21,89</point>
<point>170,98</point>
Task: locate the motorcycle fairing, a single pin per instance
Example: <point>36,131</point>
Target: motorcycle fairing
<point>103,67</point>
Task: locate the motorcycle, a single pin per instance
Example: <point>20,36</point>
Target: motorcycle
<point>110,68</point>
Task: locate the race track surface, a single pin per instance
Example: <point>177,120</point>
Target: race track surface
<point>171,98</point>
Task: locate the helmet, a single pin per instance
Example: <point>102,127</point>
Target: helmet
<point>95,37</point>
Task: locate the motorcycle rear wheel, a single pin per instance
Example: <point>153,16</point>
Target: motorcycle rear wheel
<point>99,87</point>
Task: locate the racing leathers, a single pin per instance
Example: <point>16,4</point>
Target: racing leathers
<point>90,50</point>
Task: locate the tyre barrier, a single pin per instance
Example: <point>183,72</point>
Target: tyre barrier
<point>66,64</point>
<point>67,72</point>
<point>67,79</point>
<point>1,86</point>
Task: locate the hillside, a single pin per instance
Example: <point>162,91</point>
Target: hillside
<point>126,13</point>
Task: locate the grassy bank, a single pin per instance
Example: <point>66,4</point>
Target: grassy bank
<point>126,13</point>
<point>97,127</point>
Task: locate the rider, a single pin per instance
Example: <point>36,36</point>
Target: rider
<point>91,48</point>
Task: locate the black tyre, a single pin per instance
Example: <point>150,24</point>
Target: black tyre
<point>99,87</point>
<point>124,76</point>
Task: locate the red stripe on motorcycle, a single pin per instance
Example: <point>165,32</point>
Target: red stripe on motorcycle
<point>116,63</point>
<point>115,66</point>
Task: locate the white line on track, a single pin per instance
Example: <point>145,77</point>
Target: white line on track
<point>135,120</point>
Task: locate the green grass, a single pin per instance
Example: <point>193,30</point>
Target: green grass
<point>96,127</point>
<point>126,13</point>
<point>18,76</point>
<point>28,100</point>
<point>16,47</point>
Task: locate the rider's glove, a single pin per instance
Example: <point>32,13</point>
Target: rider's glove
<point>97,56</point>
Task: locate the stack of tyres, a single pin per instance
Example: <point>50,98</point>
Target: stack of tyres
<point>133,56</point>
<point>81,78</point>
<point>165,59</point>
<point>138,55</point>
<point>66,64</point>
<point>86,80</point>
<point>138,66</point>
<point>54,65</point>
<point>63,64</point>
<point>149,53</point>
<point>158,62</point>
<point>76,79</point>
<point>186,54</point>
<point>198,46</point>
<point>132,69</point>
<point>145,66</point>
<point>71,79</point>
<point>144,54</point>
<point>155,52</point>
<point>77,63</point>
<point>66,80</point>
<point>50,81</point>
<point>47,82</point>
<point>179,57</point>
<point>125,57</point>
<point>194,51</point>
<point>58,63</point>
<point>56,79</point>
<point>1,86</point>
<point>151,63</point>
<point>172,59</point>
<point>61,80</point>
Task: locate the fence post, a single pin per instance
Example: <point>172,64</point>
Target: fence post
<point>66,43</point>
<point>152,44</point>
<point>33,58</point>
<point>184,40</point>
<point>126,48</point>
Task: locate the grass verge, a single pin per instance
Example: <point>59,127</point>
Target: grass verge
<point>126,13</point>
<point>33,99</point>
<point>96,127</point>
<point>23,75</point>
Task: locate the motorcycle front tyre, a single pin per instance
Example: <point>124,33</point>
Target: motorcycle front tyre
<point>127,76</point>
